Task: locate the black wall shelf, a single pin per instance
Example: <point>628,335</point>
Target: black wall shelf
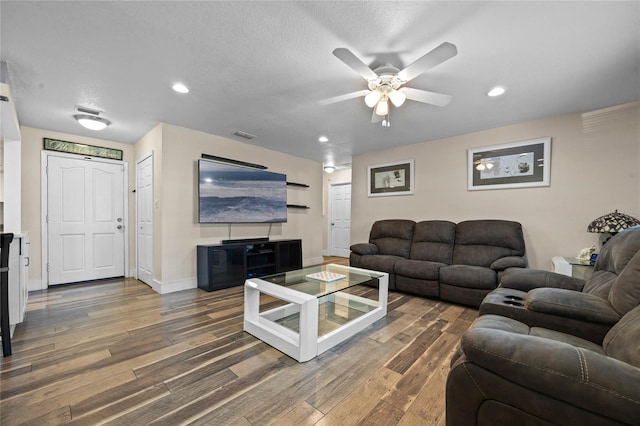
<point>230,161</point>
<point>299,185</point>
<point>297,206</point>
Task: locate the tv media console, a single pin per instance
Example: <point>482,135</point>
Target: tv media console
<point>230,264</point>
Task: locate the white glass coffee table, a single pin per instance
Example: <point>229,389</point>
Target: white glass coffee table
<point>321,310</point>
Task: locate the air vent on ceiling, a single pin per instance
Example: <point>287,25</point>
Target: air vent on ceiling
<point>244,135</point>
<point>610,118</point>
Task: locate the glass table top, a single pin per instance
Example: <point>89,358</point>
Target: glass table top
<point>342,277</point>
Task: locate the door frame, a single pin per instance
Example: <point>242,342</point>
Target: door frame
<point>143,158</point>
<point>44,191</point>
<point>330,194</point>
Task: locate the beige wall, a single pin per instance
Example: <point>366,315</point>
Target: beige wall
<point>176,229</point>
<point>176,151</point>
<point>32,195</point>
<point>594,170</point>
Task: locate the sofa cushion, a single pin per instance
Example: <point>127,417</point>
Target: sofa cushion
<point>511,303</point>
<point>568,303</point>
<point>482,242</point>
<point>498,322</point>
<point>392,236</point>
<point>379,262</point>
<point>623,340</point>
<point>614,257</point>
<point>625,291</point>
<point>433,240</point>
<point>420,269</point>
<point>469,276</point>
<point>599,284</point>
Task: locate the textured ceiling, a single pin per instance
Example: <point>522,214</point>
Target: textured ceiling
<point>263,67</point>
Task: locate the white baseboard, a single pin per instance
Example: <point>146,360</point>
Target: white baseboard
<point>312,261</point>
<point>326,253</point>
<point>34,285</point>
<point>173,286</point>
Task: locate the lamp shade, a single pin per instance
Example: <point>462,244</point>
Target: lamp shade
<point>612,223</point>
<point>372,98</point>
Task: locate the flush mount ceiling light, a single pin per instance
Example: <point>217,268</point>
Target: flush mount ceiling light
<point>496,91</point>
<point>180,88</point>
<point>329,169</point>
<point>323,139</point>
<point>91,121</point>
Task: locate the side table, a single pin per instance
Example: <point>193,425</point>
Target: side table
<point>572,267</point>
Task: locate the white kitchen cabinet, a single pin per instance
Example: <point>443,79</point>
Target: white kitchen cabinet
<point>18,278</point>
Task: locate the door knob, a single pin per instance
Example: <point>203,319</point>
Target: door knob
<point>119,226</point>
<point>119,219</point>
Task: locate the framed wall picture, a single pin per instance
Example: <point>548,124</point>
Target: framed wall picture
<point>391,179</point>
<point>511,165</point>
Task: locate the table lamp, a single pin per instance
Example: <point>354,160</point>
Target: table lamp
<point>612,223</point>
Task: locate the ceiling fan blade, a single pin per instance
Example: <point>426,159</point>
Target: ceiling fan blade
<point>353,62</point>
<point>437,56</point>
<point>344,97</point>
<point>375,118</point>
<point>432,98</point>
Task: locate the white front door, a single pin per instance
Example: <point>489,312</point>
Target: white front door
<point>85,214</point>
<point>144,220</point>
<point>340,220</point>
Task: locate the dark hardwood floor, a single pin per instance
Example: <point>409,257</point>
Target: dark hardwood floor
<point>118,353</point>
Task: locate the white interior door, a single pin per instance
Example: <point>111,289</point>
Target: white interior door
<point>85,216</point>
<point>340,220</point>
<point>144,220</point>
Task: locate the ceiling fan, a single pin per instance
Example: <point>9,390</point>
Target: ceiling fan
<point>386,83</point>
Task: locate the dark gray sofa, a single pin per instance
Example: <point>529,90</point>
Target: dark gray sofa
<point>459,263</point>
<point>507,373</point>
<point>587,309</point>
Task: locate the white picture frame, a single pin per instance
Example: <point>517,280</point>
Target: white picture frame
<point>522,164</point>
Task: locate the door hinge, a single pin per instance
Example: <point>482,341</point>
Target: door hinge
<point>46,219</point>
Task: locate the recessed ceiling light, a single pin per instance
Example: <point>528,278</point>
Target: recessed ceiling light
<point>180,88</point>
<point>323,139</point>
<point>496,91</point>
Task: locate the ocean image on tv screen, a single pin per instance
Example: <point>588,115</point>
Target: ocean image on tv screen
<point>234,194</point>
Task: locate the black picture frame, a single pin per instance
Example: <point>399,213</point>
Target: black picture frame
<point>395,178</point>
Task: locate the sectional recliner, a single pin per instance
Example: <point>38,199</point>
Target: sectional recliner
<point>587,309</point>
<point>554,350</point>
<point>459,263</point>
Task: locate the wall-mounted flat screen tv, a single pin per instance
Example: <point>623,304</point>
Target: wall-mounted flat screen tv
<point>234,194</point>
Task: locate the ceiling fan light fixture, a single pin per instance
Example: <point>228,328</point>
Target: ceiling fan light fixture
<point>383,107</point>
<point>372,98</point>
<point>397,97</point>
<point>92,122</point>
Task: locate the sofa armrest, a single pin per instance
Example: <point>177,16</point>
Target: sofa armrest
<point>364,248</point>
<point>580,377</point>
<point>509,262</point>
<point>571,304</point>
<point>528,279</point>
